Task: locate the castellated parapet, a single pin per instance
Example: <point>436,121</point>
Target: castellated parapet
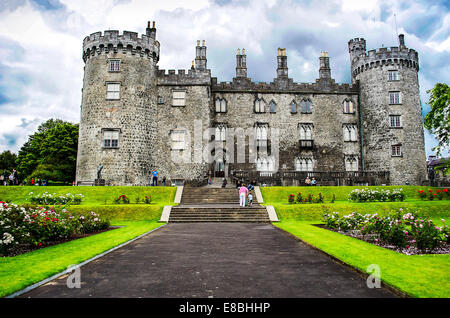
<point>127,42</point>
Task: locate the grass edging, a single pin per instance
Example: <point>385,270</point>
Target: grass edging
<point>360,272</point>
<point>29,288</point>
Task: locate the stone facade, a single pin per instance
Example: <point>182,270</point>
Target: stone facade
<point>136,118</point>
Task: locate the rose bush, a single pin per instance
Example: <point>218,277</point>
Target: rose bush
<point>370,195</point>
<point>51,199</point>
<point>33,226</point>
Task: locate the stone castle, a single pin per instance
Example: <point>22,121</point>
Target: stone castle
<point>189,126</point>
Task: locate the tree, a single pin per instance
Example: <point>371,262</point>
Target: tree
<point>51,152</point>
<point>7,161</point>
<point>437,121</point>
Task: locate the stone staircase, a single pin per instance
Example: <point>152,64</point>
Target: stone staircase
<point>207,204</point>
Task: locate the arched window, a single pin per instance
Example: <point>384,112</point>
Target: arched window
<point>303,164</point>
<point>221,105</point>
<point>293,107</point>
<point>306,132</point>
<point>272,107</point>
<point>349,107</point>
<point>351,163</point>
<point>265,164</point>
<point>306,106</point>
<point>221,133</point>
<point>260,106</point>
<point>350,133</point>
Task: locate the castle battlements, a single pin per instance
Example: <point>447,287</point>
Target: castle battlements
<point>362,60</point>
<point>192,77</point>
<point>283,86</point>
<point>127,42</point>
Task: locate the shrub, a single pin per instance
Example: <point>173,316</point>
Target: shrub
<point>369,195</point>
<point>299,198</point>
<point>422,194</point>
<point>122,199</point>
<point>30,225</point>
<point>291,198</point>
<point>52,199</point>
<point>148,199</point>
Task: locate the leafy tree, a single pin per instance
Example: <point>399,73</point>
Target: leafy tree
<point>51,152</point>
<point>7,161</point>
<point>437,121</point>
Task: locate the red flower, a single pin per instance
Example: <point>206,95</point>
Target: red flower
<point>430,191</point>
<point>445,190</point>
<point>40,244</point>
<point>434,193</point>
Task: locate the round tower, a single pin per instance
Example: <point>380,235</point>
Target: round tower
<point>118,103</point>
<point>392,126</point>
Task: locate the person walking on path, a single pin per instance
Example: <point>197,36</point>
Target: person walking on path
<point>308,181</point>
<point>243,192</point>
<point>155,177</point>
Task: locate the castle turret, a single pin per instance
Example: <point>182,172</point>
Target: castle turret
<point>241,64</point>
<point>117,103</point>
<point>390,110</point>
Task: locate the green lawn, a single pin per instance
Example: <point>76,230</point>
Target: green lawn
<point>24,270</point>
<point>415,275</point>
<point>93,195</point>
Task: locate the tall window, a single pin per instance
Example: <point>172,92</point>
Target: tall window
<point>114,65</point>
<point>303,164</point>
<point>348,107</point>
<point>261,137</point>
<point>260,106</point>
<point>306,131</point>
<point>395,98</point>
<point>179,98</point>
<point>393,75</point>
<point>112,91</point>
<point>293,107</point>
<point>349,132</point>
<point>395,121</point>
<point>306,106</point>
<point>110,138</point>
<point>396,150</point>
<point>272,107</point>
<point>221,133</point>
<point>221,105</point>
<point>178,139</point>
<point>351,163</point>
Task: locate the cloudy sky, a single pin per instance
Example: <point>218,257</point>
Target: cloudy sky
<point>41,68</point>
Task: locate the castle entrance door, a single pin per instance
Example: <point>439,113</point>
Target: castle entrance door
<point>220,164</point>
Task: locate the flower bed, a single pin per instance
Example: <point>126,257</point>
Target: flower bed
<point>27,226</point>
<point>51,199</point>
<point>309,199</point>
<point>438,195</point>
<point>369,195</point>
<point>403,232</point>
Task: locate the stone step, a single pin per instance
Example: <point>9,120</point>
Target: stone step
<point>220,221</point>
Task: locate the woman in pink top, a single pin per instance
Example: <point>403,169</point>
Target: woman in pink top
<point>243,192</point>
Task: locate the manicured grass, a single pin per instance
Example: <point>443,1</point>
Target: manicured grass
<point>415,275</point>
<point>24,270</point>
<point>280,194</point>
<point>93,195</point>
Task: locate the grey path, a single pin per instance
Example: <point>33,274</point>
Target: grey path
<point>214,260</point>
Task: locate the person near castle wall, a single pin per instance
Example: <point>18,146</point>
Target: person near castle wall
<point>313,182</point>
<point>243,192</point>
<point>308,181</point>
<point>164,181</point>
<point>155,177</point>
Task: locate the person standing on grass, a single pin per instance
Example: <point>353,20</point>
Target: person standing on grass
<point>155,177</point>
<point>243,192</point>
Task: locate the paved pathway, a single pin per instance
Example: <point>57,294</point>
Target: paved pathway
<point>214,260</point>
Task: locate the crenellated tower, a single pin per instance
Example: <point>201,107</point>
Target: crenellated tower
<point>118,102</point>
<point>392,126</point>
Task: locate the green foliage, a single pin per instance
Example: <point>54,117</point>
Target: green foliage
<point>50,153</point>
<point>437,121</point>
<point>7,161</point>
